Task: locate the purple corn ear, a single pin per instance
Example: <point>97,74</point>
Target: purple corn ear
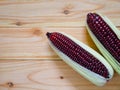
<point>77,53</point>
<point>106,37</point>
<point>83,59</point>
<point>104,34</point>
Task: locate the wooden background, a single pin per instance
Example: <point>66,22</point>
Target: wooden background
<point>26,60</point>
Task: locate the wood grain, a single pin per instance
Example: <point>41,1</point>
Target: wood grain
<point>26,60</point>
<point>46,75</point>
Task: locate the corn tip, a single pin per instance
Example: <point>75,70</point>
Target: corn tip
<point>48,34</point>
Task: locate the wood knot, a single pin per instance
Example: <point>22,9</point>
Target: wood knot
<point>66,12</point>
<point>18,23</point>
<point>61,77</point>
<point>37,32</point>
<point>68,8</point>
<point>10,84</point>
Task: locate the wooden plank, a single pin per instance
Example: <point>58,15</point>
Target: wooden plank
<point>46,75</point>
<point>32,42</point>
<point>45,13</point>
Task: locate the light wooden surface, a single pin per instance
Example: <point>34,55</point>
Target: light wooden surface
<point>26,60</point>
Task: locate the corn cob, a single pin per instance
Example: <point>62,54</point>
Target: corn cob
<point>81,58</point>
<point>106,37</point>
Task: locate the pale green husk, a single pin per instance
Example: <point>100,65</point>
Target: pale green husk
<point>115,64</point>
<point>91,76</point>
